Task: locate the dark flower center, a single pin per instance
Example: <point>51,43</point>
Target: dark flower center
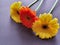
<point>17,12</point>
<point>45,26</point>
<point>28,18</point>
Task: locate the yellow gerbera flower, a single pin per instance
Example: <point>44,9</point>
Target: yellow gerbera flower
<point>14,11</point>
<point>45,27</point>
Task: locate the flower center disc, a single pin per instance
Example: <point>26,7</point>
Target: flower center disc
<point>28,18</point>
<point>17,12</point>
<point>44,26</point>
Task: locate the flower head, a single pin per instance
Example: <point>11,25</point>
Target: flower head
<point>46,27</point>
<point>14,11</point>
<point>27,16</point>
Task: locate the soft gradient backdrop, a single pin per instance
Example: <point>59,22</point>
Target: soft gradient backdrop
<point>12,33</point>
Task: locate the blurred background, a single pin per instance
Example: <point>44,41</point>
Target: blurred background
<point>12,33</point>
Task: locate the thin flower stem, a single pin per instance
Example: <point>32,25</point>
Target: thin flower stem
<point>39,5</point>
<point>53,6</point>
<point>32,3</point>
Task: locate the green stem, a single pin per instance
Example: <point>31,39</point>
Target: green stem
<point>32,3</point>
<point>39,5</point>
<point>53,6</point>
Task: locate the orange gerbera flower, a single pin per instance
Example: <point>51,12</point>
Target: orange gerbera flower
<point>27,16</point>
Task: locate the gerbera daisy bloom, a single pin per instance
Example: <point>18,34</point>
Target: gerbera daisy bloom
<point>14,11</point>
<point>27,16</point>
<point>45,27</point>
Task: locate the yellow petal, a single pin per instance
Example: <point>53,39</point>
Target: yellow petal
<point>36,26</point>
<point>46,17</point>
<point>43,36</point>
<point>16,5</point>
<point>54,23</point>
<point>15,17</point>
<point>36,34</point>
